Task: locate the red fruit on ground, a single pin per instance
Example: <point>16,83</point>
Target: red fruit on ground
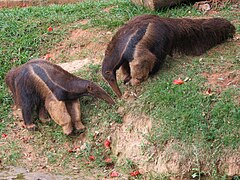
<point>108,160</point>
<point>50,29</point>
<point>114,174</point>
<point>209,91</point>
<point>4,135</point>
<point>107,143</point>
<point>135,173</point>
<point>47,56</point>
<point>71,151</point>
<point>178,81</point>
<point>92,158</point>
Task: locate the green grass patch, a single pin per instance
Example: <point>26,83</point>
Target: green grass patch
<point>182,113</point>
<point>10,152</point>
<point>185,113</point>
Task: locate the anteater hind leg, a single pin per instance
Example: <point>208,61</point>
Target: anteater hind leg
<point>73,108</point>
<point>141,65</point>
<point>126,72</point>
<point>27,109</point>
<point>17,112</point>
<point>42,114</point>
<point>58,112</point>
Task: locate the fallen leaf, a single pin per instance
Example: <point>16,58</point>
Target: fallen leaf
<point>4,135</point>
<point>50,29</point>
<point>107,143</point>
<point>178,81</point>
<point>114,174</point>
<point>135,173</point>
<point>92,158</point>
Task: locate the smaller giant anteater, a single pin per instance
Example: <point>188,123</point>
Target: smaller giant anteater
<point>42,86</point>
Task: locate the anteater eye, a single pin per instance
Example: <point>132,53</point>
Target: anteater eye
<point>107,72</point>
<point>140,78</point>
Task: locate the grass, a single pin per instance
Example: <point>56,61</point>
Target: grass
<point>203,124</point>
<point>186,113</point>
<point>13,155</point>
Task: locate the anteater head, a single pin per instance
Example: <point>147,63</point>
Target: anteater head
<point>97,91</point>
<point>109,74</point>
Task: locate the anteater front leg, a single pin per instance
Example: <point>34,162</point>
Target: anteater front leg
<point>141,65</point>
<point>125,68</point>
<point>73,108</point>
<point>58,112</point>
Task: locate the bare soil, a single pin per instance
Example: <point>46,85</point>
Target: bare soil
<point>223,80</point>
<point>81,44</point>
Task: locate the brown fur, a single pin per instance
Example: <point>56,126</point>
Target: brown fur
<point>140,46</point>
<point>42,86</point>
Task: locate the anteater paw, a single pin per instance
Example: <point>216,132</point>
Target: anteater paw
<point>31,127</point>
<point>127,79</point>
<point>67,129</point>
<point>79,131</point>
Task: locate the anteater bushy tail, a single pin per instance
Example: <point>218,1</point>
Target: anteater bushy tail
<point>196,36</point>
